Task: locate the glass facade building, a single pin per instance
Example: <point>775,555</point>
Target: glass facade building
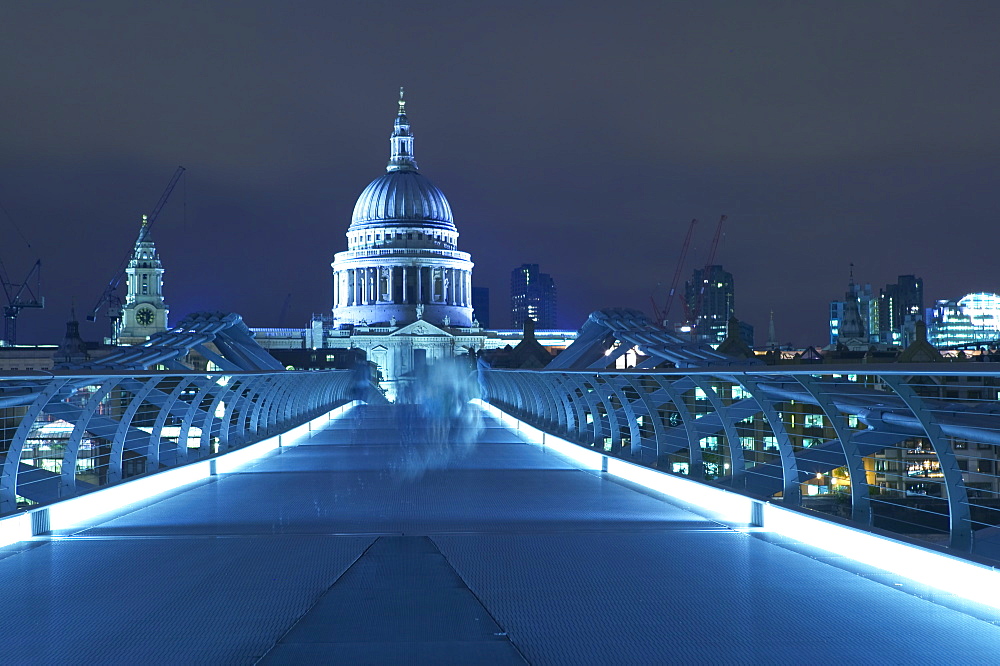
<point>973,319</point>
<point>532,296</point>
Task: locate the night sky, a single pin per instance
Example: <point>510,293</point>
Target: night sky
<point>579,136</point>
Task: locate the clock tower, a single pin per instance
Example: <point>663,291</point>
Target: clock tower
<point>144,313</point>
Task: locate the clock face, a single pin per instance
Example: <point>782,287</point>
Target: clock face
<point>144,316</point>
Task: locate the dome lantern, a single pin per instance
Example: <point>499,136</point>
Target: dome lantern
<point>401,142</point>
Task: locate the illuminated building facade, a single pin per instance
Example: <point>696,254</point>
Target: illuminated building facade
<point>145,312</point>
<point>975,318</point>
<point>710,299</point>
<point>900,306</point>
<point>532,296</point>
<point>402,261</point>
<point>887,320</point>
<point>402,291</point>
<point>855,320</point>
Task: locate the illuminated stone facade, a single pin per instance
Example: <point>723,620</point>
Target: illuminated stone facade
<point>402,291</point>
<point>145,312</point>
<point>402,261</point>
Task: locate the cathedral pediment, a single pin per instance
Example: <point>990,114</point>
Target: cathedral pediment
<point>421,328</point>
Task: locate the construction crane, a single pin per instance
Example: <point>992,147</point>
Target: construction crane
<point>696,314</point>
<point>662,316</point>
<point>20,295</point>
<point>109,297</point>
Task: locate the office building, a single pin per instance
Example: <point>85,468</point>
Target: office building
<point>532,296</point>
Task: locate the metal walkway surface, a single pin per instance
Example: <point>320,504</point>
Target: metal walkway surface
<point>388,538</point>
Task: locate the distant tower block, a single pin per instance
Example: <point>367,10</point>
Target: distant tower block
<point>532,296</point>
<point>710,297</point>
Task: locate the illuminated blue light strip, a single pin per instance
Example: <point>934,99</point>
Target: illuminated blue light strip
<point>584,457</point>
<point>726,507</point>
<point>76,511</point>
<point>15,528</point>
<point>965,579</point>
<point>968,580</point>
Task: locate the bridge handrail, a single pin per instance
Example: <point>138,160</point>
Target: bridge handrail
<point>66,433</point>
<point>911,448</point>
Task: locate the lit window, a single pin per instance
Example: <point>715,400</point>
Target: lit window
<point>739,393</point>
<point>812,420</point>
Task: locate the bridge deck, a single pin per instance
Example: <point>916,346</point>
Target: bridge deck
<point>366,544</point>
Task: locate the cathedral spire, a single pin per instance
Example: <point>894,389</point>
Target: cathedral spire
<point>401,142</point>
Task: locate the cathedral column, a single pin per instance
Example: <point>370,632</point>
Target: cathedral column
<point>391,283</point>
<point>420,284</point>
<point>358,285</point>
<point>336,289</point>
<point>451,286</point>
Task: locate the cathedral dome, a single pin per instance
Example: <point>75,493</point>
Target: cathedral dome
<point>402,261</point>
<point>405,197</point>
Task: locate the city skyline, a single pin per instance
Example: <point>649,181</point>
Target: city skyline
<point>860,135</point>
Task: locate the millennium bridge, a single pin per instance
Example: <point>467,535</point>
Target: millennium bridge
<point>715,512</point>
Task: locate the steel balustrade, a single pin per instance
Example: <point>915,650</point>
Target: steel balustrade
<point>911,449</point>
<point>132,423</point>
